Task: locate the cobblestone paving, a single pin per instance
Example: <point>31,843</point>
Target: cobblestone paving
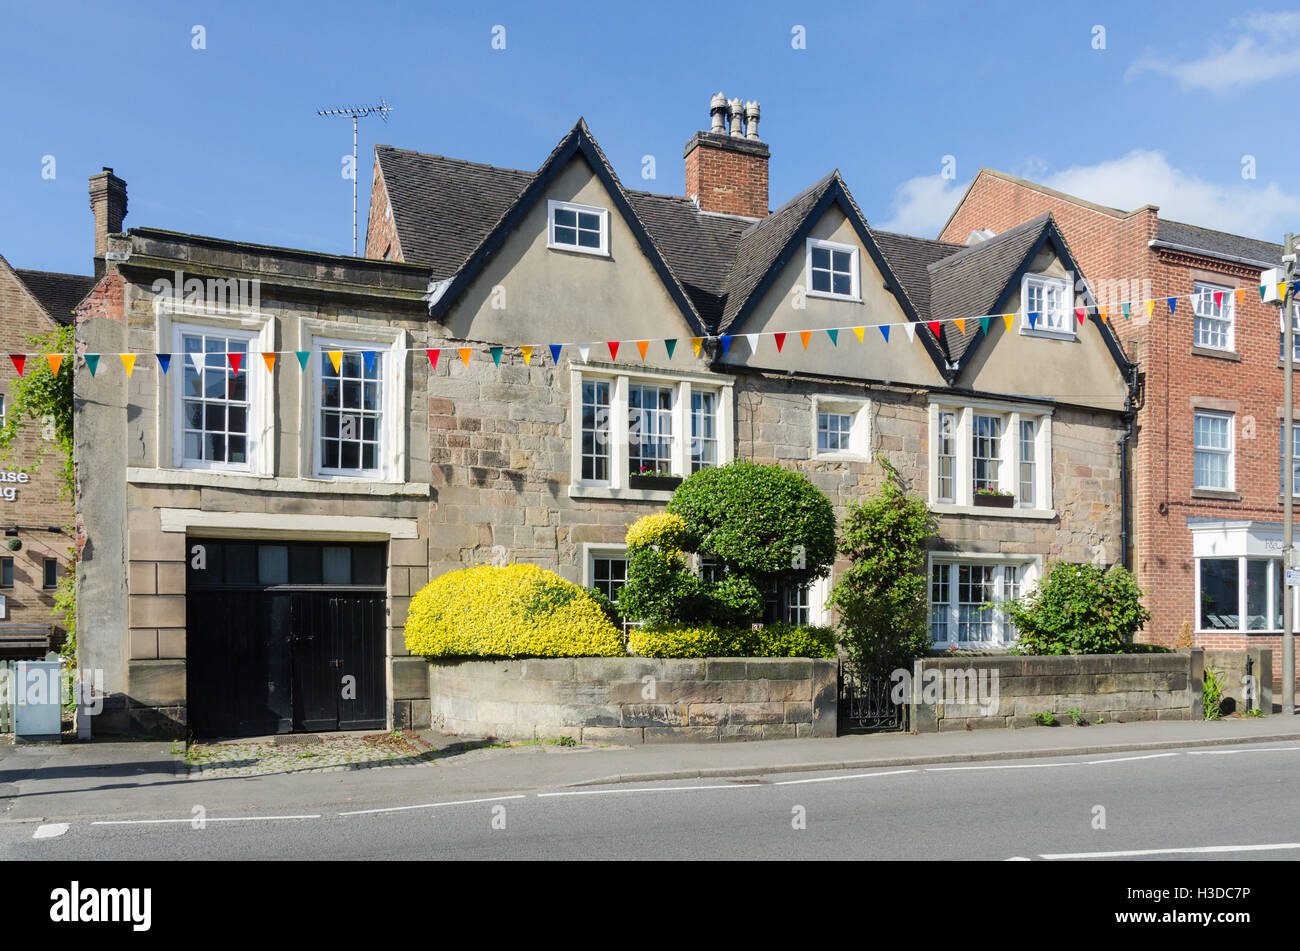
<point>335,753</point>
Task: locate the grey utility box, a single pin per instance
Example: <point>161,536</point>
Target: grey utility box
<point>37,699</point>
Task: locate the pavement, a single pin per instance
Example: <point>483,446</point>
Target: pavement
<point>40,783</point>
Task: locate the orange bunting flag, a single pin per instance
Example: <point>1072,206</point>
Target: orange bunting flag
<point>270,362</point>
<point>128,361</point>
<point>695,342</point>
<point>805,336</point>
<point>55,360</point>
<point>642,346</point>
<point>336,359</point>
<point>1241,296</point>
<point>860,331</point>
<point>1102,311</point>
<point>1007,320</point>
<point>528,355</point>
<point>961,324</point>
<point>465,354</point>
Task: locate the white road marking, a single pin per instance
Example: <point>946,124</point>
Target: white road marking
<point>1198,850</point>
<point>1256,749</point>
<point>430,805</point>
<point>1129,759</point>
<point>641,789</point>
<point>51,830</point>
<point>1018,858</point>
<point>192,819</point>
<point>949,769</point>
<point>831,779</point>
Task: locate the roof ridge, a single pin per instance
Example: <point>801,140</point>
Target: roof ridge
<point>1035,223</point>
<point>458,161</point>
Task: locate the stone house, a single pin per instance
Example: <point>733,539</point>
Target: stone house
<point>1207,475</point>
<point>551,352</point>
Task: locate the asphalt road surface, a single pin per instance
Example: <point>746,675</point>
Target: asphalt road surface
<point>1218,803</point>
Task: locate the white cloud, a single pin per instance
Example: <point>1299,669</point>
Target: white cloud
<point>921,205</point>
<point>1268,50</point>
<point>1143,177</point>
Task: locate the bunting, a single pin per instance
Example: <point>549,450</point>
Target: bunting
<point>128,362</point>
<point>496,355</point>
<point>19,360</point>
<point>613,350</point>
<point>695,344</point>
<point>465,354</point>
<point>805,336</point>
<point>860,331</point>
<point>55,360</point>
<point>433,358</point>
<point>555,353</point>
<point>92,362</point>
<point>303,356</point>
<point>269,358</point>
<point>725,340</point>
<point>527,354</point>
<point>643,345</point>
<point>835,337</point>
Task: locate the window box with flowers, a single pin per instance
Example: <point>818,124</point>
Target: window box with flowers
<point>647,478</point>
<point>994,498</point>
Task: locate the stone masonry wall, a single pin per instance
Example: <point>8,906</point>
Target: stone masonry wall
<point>636,699</point>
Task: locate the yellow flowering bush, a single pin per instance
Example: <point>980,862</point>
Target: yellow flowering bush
<point>710,640</point>
<point>515,611</point>
<point>668,531</point>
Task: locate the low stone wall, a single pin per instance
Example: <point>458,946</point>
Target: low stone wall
<point>1230,666</point>
<point>962,693</point>
<point>635,699</point>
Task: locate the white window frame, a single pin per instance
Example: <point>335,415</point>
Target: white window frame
<point>552,206</point>
<point>963,500</point>
<point>1281,333</point>
<point>1041,328</point>
<point>616,486</point>
<point>1203,298</point>
<point>855,267</point>
<point>317,336</point>
<point>1030,569</point>
<point>1241,541</point>
<point>1230,452</point>
<point>594,550</point>
<point>319,470</point>
<point>1295,457</point>
<point>859,411</point>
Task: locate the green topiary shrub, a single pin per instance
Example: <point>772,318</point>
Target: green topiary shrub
<point>1079,609</point>
<point>709,640</point>
<point>515,611</point>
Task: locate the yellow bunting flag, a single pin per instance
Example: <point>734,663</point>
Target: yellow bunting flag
<point>336,358</point>
<point>1007,320</point>
<point>528,355</point>
<point>961,324</point>
<point>55,361</point>
<point>128,361</point>
<point>695,342</point>
<point>1281,291</point>
<point>805,336</point>
<point>270,362</point>
<point>860,331</point>
<point>464,354</point>
<point>641,347</point>
<point>1150,307</point>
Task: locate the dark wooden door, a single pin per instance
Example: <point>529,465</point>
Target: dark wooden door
<point>338,661</point>
<point>237,663</point>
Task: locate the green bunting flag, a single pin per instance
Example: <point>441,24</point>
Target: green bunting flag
<point>1125,306</point>
<point>670,346</point>
<point>496,354</point>
<point>92,361</point>
<point>835,337</point>
<point>984,324</point>
<point>303,356</point>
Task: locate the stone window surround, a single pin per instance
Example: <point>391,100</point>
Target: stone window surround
<point>1209,406</point>
<point>616,487</point>
<point>859,434</point>
<point>1229,311</point>
<point>552,206</point>
<point>1032,569</point>
<point>1067,302</point>
<point>262,436</point>
<point>855,295</point>
<point>1010,449</point>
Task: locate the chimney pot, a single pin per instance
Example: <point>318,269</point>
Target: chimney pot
<point>751,120</point>
<point>733,107</point>
<point>718,114</point>
<point>726,167</point>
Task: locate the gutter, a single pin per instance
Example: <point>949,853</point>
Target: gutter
<point>1188,249</point>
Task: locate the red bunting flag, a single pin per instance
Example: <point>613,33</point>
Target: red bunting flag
<point>433,357</point>
<point>19,360</point>
<point>935,327</point>
<point>613,349</point>
<point>1080,315</point>
<point>780,341</point>
<point>234,359</point>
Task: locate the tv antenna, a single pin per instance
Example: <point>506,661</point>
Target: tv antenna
<point>354,113</point>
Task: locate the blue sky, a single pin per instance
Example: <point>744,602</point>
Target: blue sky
<point>225,141</point>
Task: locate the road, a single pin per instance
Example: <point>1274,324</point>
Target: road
<point>1216,803</point>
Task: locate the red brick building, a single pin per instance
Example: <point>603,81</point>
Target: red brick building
<point>1206,503</point>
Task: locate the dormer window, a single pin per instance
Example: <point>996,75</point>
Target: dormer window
<point>832,269</point>
<point>578,228</point>
<point>1048,298</point>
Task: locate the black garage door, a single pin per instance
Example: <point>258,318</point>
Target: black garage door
<point>284,637</point>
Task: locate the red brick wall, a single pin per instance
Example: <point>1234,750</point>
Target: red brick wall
<point>726,181</point>
<point>381,232</point>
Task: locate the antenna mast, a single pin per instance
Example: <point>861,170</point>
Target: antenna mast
<point>354,113</point>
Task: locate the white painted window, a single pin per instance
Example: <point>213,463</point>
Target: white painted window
<point>946,462</point>
<point>1295,339</point>
<point>595,431</point>
<point>985,449</point>
<point>704,429</point>
<point>578,228</point>
<point>1212,466</point>
<point>216,408</point>
<point>606,571</point>
<point>350,411</point>
<point>986,452</point>
<point>965,599</point>
<point>650,429</point>
<point>841,427</point>
<point>1049,298</point>
<point>1295,459</point>
<point>1028,461</point>
<point>832,269</point>
<point>1212,308</point>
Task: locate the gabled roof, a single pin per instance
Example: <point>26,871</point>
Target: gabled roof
<point>58,293</point>
<point>1220,244</point>
<point>579,140</point>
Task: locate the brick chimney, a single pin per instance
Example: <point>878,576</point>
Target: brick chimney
<point>726,167</point>
<point>108,203</point>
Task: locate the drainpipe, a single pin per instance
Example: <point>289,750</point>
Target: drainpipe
<point>1130,434</point>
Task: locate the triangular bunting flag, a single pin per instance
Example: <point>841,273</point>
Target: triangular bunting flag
<point>1151,306</point>
<point>128,362</point>
<point>583,352</point>
<point>303,356</point>
<point>1173,302</point>
<point>164,361</point>
<point>961,324</point>
<point>555,349</point>
<point>433,357</point>
<point>336,359</point>
<point>235,359</point>
<point>1080,315</point>
<point>984,324</point>
<point>1263,289</point>
<point>670,346</point>
<point>1241,295</point>
<point>368,357</point>
<point>780,341</point>
<point>884,331</point>
<point>695,342</point>
<point>1124,307</point>
<point>613,349</point>
<point>92,362</point>
<point>196,361</point>
<point>465,354</point>
<point>752,340</point>
<point>55,360</point>
<point>1008,320</point>
<point>1102,312</point>
<point>527,353</point>
<point>496,355</point>
<point>910,329</point>
<point>835,337</point>
<point>1033,319</point>
<point>1281,290</point>
<point>270,362</point>
<point>643,345</point>
<point>935,327</point>
<point>726,343</point>
<point>1218,298</point>
<point>19,361</point>
<point>860,331</point>
<point>805,336</point>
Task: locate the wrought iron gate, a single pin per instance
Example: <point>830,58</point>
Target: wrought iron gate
<point>866,703</point>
